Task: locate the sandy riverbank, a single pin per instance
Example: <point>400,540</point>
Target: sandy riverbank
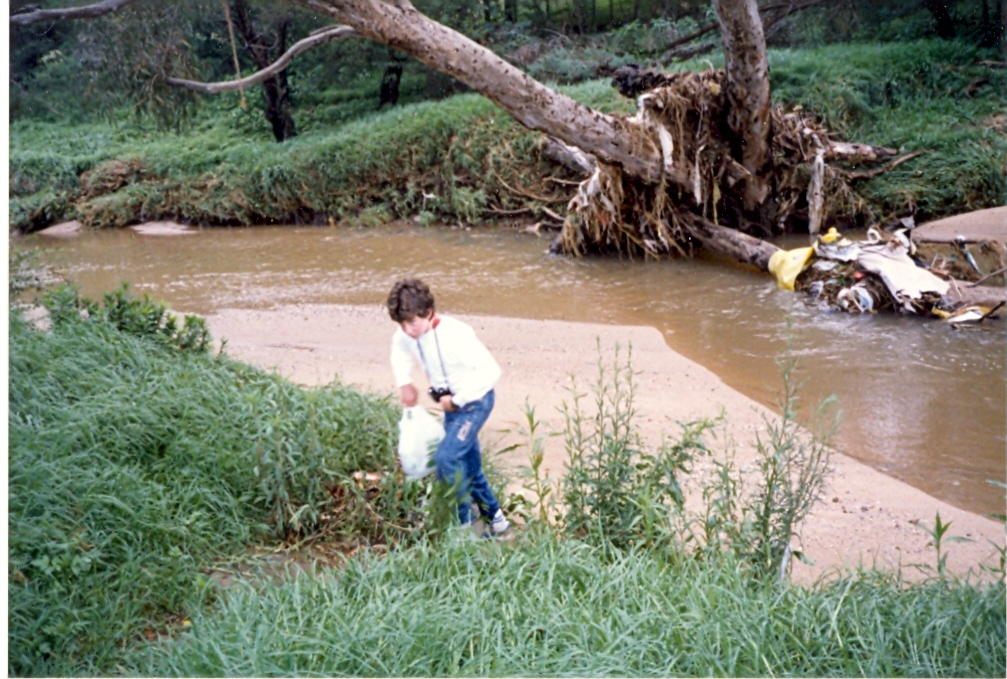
<point>867,517</point>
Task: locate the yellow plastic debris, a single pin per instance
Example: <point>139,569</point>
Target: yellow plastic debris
<point>831,236</point>
<point>786,264</point>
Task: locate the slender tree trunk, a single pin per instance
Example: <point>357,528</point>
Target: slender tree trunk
<point>942,17</point>
<point>510,10</point>
<point>747,68</point>
<point>276,89</point>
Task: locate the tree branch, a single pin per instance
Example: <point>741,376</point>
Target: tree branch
<point>319,38</point>
<point>728,242</point>
<point>867,174</point>
<point>857,153</point>
<point>782,11</point>
<point>85,12</point>
<point>614,140</point>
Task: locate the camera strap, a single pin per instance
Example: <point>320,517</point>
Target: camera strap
<point>423,358</point>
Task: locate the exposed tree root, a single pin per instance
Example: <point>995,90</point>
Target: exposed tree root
<point>683,117</point>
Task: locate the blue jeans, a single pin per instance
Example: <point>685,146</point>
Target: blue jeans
<point>458,457</point>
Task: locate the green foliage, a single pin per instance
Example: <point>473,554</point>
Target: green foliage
<point>141,317</point>
<point>227,170</point>
<point>938,538</point>
<point>618,494</point>
<point>536,480</point>
<point>615,491</point>
<point>132,465</point>
<point>540,607</point>
<point>793,469</point>
<point>910,96</point>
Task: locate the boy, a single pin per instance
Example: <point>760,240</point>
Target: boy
<point>462,375</point>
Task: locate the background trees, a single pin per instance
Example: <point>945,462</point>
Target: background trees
<point>84,76</point>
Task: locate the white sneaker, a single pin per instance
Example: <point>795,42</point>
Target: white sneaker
<point>500,523</point>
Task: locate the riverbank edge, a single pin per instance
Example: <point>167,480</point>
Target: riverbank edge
<point>867,518</point>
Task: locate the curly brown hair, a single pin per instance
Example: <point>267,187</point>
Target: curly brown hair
<point>409,298</point>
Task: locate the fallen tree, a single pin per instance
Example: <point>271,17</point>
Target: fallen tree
<point>704,161</point>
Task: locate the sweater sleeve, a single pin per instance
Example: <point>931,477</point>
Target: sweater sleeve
<point>402,359</point>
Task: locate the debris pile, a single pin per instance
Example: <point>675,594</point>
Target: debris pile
<point>883,272</point>
<point>684,116</point>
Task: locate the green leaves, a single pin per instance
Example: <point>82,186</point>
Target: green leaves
<point>616,491</point>
<point>939,538</point>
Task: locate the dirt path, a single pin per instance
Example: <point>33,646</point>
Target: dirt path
<point>867,517</point>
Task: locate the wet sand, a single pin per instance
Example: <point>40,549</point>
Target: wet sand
<point>866,518</point>
<point>971,227</point>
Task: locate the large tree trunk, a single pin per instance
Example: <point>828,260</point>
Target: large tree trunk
<point>747,68</point>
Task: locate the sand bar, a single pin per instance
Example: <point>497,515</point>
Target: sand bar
<point>867,517</point>
<point>971,227</point>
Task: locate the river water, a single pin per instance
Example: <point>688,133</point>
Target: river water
<point>919,400</point>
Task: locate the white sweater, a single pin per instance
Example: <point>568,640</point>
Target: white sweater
<point>468,369</point>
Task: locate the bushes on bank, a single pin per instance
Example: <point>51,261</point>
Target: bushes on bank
<point>905,95</point>
<point>136,458</point>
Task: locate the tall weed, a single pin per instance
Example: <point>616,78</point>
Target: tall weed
<point>615,490</point>
<point>618,493</point>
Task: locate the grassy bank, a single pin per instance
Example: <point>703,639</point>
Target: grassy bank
<point>471,156</point>
<point>546,608</point>
<point>134,463</point>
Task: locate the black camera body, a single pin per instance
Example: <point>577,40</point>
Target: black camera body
<point>437,394</point>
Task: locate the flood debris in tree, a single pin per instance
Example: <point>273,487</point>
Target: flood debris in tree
<point>683,117</point>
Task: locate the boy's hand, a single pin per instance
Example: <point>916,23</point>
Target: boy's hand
<point>408,395</point>
<point>447,403</point>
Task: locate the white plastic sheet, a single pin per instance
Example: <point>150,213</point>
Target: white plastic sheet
<point>419,434</point>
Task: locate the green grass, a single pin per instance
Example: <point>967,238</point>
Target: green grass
<point>225,169</point>
<point>908,96</point>
<point>132,465</point>
<point>138,460</point>
<point>546,608</point>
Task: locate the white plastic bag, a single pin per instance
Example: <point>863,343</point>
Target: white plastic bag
<point>419,434</point>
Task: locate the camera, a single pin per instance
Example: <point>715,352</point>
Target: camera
<point>437,394</point>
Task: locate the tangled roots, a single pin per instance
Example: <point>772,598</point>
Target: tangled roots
<point>684,118</point>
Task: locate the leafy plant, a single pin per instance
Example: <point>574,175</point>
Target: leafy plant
<point>938,538</point>
<point>756,526</point>
<point>794,467</point>
<point>142,317</point>
<point>537,481</point>
<point>616,491</point>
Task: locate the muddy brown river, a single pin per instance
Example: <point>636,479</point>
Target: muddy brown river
<point>919,400</point>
